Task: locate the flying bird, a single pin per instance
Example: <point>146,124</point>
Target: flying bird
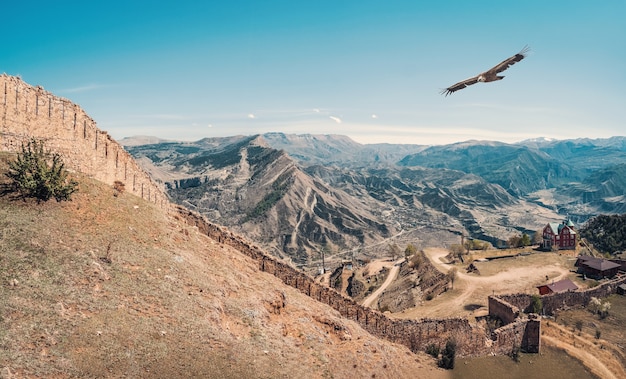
<point>489,75</point>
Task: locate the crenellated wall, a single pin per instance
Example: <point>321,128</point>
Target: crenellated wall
<point>31,112</point>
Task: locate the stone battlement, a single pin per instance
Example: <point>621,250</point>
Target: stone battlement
<point>28,112</point>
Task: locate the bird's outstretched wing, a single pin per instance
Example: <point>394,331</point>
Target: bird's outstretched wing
<point>459,85</point>
<point>489,75</point>
<point>510,61</point>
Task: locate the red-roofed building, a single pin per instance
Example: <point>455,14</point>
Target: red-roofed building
<point>559,236</point>
<point>556,287</point>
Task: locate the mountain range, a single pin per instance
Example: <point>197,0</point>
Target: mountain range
<point>309,197</point>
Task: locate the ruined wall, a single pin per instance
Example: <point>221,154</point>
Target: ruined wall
<point>517,331</point>
<point>555,301</point>
<point>31,112</point>
<point>507,312</point>
<point>531,342</point>
<point>471,340</point>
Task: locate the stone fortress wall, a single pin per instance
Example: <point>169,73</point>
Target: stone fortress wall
<point>471,340</point>
<point>31,112</point>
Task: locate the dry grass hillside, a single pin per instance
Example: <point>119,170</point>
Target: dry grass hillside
<point>111,286</point>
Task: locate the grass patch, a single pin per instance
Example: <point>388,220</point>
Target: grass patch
<point>611,328</point>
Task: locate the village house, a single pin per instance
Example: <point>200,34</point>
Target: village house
<point>559,236</point>
<point>556,287</point>
<point>597,268</point>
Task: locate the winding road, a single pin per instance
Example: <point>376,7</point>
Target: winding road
<point>393,274</point>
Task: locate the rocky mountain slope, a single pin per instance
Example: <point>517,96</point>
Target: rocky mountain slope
<point>579,178</point>
<point>354,201</point>
<point>261,192</point>
<point>114,286</point>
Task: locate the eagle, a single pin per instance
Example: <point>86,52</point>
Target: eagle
<point>489,75</point>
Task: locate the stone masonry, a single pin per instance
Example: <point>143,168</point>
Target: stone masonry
<point>31,112</point>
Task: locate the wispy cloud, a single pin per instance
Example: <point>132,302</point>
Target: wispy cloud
<point>336,119</point>
<point>164,116</point>
<point>85,88</point>
<point>251,116</point>
<point>508,108</point>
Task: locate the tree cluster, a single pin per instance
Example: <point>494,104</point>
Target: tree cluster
<point>597,306</point>
<point>607,233</point>
<point>447,356</point>
<point>519,241</point>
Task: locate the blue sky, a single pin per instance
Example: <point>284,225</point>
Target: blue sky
<point>371,70</point>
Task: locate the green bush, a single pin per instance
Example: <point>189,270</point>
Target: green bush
<point>432,350</point>
<point>447,356</point>
<point>40,174</point>
<point>536,304</point>
<point>515,353</point>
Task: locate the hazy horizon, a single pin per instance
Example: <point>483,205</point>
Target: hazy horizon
<point>535,139</point>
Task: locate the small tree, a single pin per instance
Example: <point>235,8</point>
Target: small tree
<point>394,250</point>
<point>536,304</point>
<point>40,174</point>
<point>579,325</point>
<point>410,250</point>
<point>599,307</point>
<point>432,350</point>
<point>447,356</point>
<point>514,241</point>
<point>457,251</point>
<point>452,274</point>
<point>515,353</point>
<point>519,240</point>
<point>537,237</point>
<point>525,240</point>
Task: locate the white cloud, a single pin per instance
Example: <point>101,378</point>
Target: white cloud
<point>336,119</point>
<point>251,116</point>
<point>374,116</point>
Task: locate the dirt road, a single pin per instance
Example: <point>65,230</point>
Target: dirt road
<point>393,274</point>
<point>469,296</point>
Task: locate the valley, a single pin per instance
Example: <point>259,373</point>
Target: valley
<point>303,195</point>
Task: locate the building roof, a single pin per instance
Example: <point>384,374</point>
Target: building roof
<point>599,264</point>
<point>557,227</point>
<point>561,286</point>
